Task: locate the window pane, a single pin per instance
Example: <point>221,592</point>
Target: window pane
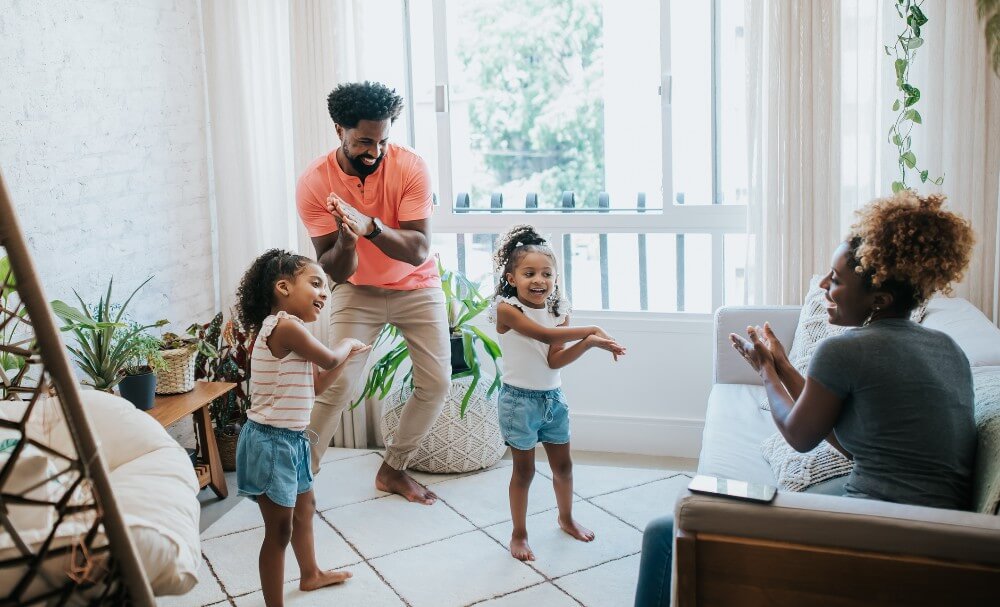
<point>637,272</point>
<point>470,254</point>
<point>691,101</point>
<point>735,254</point>
<point>567,104</point>
<point>379,56</point>
<point>732,116</point>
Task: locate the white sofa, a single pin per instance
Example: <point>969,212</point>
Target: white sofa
<point>153,482</point>
<point>819,549</point>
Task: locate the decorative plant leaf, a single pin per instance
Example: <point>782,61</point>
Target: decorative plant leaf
<point>897,187</point>
<point>900,68</point>
<point>913,115</point>
<point>895,105</point>
<point>909,159</point>
<point>923,176</point>
<point>915,42</point>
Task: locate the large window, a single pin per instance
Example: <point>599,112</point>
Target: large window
<point>615,127</point>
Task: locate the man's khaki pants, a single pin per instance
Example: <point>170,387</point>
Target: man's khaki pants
<point>361,312</point>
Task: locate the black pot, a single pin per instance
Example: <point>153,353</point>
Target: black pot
<point>140,390</point>
<point>458,355</point>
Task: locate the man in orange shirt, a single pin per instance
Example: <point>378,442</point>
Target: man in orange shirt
<point>367,206</point>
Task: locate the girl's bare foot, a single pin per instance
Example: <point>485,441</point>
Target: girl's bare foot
<point>576,530</point>
<point>520,549</point>
<point>323,578</point>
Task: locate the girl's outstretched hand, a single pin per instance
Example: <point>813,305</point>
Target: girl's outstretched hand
<point>605,343</point>
<point>357,346</point>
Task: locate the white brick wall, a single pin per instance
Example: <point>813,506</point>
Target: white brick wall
<point>103,146</point>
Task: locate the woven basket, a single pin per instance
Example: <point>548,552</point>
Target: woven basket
<point>453,444</point>
<point>178,376</point>
<point>227,450</point>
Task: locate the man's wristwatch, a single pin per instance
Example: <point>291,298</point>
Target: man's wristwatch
<point>376,229</point>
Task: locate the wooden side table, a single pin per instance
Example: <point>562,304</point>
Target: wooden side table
<point>172,408</point>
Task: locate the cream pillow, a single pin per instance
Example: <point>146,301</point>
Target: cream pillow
<point>797,471</point>
<point>986,475</point>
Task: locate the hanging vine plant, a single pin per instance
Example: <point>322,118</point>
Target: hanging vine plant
<point>907,116</point>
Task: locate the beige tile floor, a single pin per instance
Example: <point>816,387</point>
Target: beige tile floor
<point>454,553</point>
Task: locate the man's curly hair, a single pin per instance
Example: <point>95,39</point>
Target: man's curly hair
<point>353,102</point>
<point>910,246</point>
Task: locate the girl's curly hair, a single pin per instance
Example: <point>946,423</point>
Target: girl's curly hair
<point>255,295</point>
<point>515,244</point>
<point>910,246</point>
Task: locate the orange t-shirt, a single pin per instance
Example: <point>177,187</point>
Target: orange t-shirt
<point>398,190</point>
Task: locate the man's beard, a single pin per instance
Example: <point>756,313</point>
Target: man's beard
<point>364,169</point>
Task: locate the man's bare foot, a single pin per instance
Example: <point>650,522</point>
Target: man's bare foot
<point>396,481</point>
<point>323,578</point>
<point>576,530</point>
<point>520,549</point>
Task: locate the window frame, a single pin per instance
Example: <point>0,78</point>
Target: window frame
<point>714,219</point>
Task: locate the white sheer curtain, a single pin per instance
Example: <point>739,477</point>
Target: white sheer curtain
<point>793,57</point>
<point>820,90</point>
<point>250,117</point>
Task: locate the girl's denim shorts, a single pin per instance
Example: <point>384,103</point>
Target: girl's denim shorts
<point>529,417</point>
<point>274,462</point>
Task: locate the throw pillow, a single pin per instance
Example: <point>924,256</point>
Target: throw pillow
<point>797,471</point>
<point>986,475</point>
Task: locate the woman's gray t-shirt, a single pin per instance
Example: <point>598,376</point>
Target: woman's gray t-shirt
<point>907,416</point>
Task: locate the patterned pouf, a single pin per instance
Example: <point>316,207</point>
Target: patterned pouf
<point>454,443</point>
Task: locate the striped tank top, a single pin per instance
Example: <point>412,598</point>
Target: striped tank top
<point>281,389</point>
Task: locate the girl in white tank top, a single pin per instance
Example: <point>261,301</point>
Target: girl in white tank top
<point>532,320</point>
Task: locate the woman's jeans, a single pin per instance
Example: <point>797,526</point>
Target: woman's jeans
<point>653,589</point>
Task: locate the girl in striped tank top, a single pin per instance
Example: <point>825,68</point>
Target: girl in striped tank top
<point>278,294</point>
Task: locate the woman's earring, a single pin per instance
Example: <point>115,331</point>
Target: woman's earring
<point>871,316</point>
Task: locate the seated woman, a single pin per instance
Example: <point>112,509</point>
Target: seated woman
<point>892,395</point>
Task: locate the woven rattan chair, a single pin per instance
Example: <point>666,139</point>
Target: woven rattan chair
<point>87,557</point>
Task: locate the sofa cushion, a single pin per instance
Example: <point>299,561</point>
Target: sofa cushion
<point>986,476</point>
<point>734,428</point>
<point>798,471</point>
<point>971,330</point>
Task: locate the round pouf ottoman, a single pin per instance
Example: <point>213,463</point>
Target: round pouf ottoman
<point>454,443</point>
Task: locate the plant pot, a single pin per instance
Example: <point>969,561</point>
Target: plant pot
<point>140,390</point>
<point>178,376</point>
<point>458,355</point>
<point>227,450</point>
<point>454,443</point>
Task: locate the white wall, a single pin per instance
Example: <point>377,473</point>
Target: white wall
<point>103,146</point>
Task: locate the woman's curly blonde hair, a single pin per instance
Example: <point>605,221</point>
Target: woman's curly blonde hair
<point>910,245</point>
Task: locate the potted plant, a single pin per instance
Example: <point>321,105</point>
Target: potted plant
<point>230,363</point>
<point>15,336</point>
<point>179,353</point>
<point>138,385</point>
<point>466,435</point>
<point>463,302</point>
<point>105,342</point>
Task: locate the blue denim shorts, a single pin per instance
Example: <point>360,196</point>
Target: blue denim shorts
<point>274,462</point>
<point>529,417</point>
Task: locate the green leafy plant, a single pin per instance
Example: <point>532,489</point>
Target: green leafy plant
<point>989,14</point>
<point>904,51</point>
<point>144,351</point>
<point>10,331</point>
<point>195,341</point>
<point>226,357</point>
<point>105,342</point>
<point>463,303</point>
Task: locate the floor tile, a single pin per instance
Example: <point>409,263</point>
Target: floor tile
<point>365,588</point>
<point>206,592</point>
<point>454,572</point>
<point>389,524</point>
<point>427,479</point>
<point>234,557</point>
<point>557,554</point>
<point>483,497</point>
<point>589,481</point>
<point>244,515</point>
<point>337,453</point>
<point>610,585</point>
<point>639,505</point>
<point>542,595</point>
<point>347,481</point>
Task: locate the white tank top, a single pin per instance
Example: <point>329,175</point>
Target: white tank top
<point>281,389</point>
<point>525,361</point>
